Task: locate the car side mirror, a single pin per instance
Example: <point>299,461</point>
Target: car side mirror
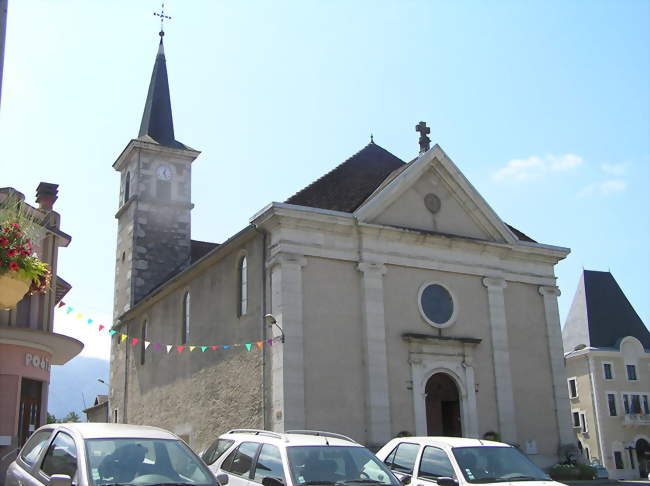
<point>222,479</point>
<point>60,480</point>
<point>269,481</point>
<point>447,482</point>
<point>405,480</point>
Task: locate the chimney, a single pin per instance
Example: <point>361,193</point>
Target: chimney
<point>46,195</point>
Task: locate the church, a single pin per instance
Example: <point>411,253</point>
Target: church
<point>388,295</point>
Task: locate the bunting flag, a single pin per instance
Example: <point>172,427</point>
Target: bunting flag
<point>122,337</point>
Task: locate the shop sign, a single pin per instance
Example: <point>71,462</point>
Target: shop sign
<point>37,361</point>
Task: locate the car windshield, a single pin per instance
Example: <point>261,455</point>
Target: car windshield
<point>144,462</point>
<point>340,465</point>
<point>496,464</point>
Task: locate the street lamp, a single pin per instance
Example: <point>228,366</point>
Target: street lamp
<point>271,321</point>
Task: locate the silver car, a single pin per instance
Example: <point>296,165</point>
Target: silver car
<point>94,454</point>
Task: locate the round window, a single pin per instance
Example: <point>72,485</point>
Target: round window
<point>436,305</point>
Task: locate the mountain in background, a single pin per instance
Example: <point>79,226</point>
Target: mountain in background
<point>75,383</point>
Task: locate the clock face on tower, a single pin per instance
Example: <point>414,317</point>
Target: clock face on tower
<point>164,172</point>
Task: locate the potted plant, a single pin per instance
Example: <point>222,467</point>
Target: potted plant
<point>21,271</point>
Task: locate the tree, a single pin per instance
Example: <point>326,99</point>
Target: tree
<point>71,417</point>
<point>51,419</point>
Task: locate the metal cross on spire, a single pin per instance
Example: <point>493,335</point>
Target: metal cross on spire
<point>162,19</point>
<point>425,142</point>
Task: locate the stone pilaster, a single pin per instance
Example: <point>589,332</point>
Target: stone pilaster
<point>501,357</point>
<point>376,357</point>
<point>287,360</point>
<point>556,354</point>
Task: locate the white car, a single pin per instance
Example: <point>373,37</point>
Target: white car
<point>97,454</point>
<point>294,458</point>
<point>450,461</point>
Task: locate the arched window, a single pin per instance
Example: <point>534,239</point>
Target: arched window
<point>127,187</point>
<point>243,288</point>
<point>143,338</point>
<point>185,332</point>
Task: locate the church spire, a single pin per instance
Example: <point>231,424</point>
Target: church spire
<point>157,121</point>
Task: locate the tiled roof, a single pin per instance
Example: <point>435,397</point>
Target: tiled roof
<point>610,315</point>
<point>351,183</point>
<point>201,248</point>
<point>348,185</point>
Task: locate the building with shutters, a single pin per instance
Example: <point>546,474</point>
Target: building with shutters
<point>608,367</point>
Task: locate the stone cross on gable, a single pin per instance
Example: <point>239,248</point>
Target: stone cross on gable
<point>425,142</point>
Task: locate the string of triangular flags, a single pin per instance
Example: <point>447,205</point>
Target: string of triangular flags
<point>133,341</point>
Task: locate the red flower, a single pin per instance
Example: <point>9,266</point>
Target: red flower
<point>15,225</point>
<point>12,253</point>
<point>24,252</point>
<point>4,242</point>
<point>13,266</point>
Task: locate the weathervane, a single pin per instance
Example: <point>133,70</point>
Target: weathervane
<point>162,19</point>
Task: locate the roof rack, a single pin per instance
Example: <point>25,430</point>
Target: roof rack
<point>256,432</point>
<point>321,434</point>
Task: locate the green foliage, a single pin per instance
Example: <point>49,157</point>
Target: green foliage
<point>17,229</point>
<point>71,417</point>
<point>571,472</point>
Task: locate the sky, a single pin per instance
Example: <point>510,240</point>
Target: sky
<point>543,105</point>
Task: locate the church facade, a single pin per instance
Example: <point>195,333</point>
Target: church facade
<point>401,301</point>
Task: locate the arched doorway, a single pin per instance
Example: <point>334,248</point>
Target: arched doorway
<point>643,457</point>
<point>443,406</point>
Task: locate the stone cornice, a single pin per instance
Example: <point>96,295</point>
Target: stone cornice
<point>549,291</point>
<point>182,153</point>
<point>284,259</point>
<point>424,338</point>
<point>495,283</point>
<point>372,268</point>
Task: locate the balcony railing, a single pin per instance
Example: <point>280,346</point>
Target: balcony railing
<point>636,419</point>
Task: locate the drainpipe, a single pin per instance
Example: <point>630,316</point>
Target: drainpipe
<point>263,312</point>
<point>594,398</point>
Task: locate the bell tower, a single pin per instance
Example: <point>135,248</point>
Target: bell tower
<point>153,219</point>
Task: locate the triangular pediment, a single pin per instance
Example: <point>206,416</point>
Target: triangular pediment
<point>431,194</point>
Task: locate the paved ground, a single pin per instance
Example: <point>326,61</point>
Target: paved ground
<point>609,482</point>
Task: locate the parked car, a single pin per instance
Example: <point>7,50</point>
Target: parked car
<point>450,461</point>
<point>97,454</point>
<point>295,458</point>
<point>601,472</point>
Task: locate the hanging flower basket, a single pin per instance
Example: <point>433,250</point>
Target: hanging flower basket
<point>12,290</point>
<point>21,271</point>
